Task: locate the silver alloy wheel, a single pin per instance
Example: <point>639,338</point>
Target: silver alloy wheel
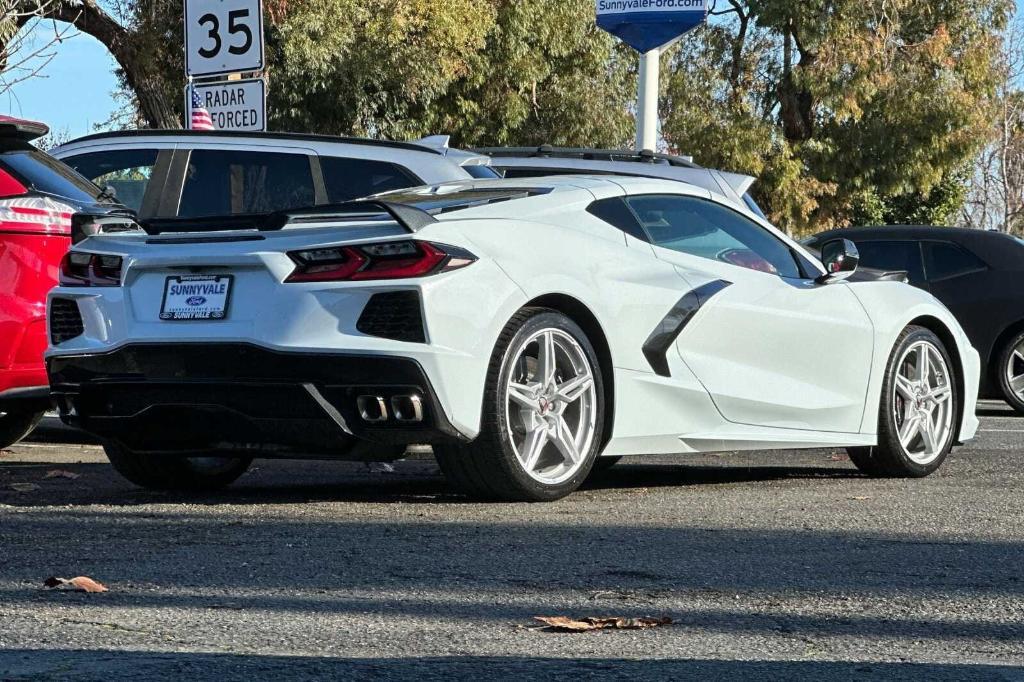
<point>1015,371</point>
<point>551,405</point>
<point>922,402</point>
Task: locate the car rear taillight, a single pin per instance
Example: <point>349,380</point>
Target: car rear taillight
<point>82,269</point>
<point>386,260</point>
<point>24,214</point>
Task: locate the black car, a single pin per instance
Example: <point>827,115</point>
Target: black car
<point>978,275</point>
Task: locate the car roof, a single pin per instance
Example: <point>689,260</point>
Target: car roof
<point>998,249</point>
<point>211,135</point>
<point>630,163</point>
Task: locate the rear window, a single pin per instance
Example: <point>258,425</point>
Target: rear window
<point>346,179</point>
<point>482,172</point>
<point>893,255</point>
<point>43,173</point>
<point>126,171</point>
<point>230,182</point>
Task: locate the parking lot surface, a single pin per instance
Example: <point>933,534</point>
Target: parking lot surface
<point>771,565</point>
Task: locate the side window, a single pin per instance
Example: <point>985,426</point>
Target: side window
<point>703,228</point>
<point>127,171</point>
<point>893,255</point>
<point>348,179</point>
<point>230,182</point>
<point>615,212</point>
<point>945,260</point>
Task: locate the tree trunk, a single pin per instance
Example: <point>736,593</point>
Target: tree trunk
<point>89,17</point>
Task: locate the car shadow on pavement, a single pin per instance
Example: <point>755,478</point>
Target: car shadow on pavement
<point>280,482</point>
<point>100,664</point>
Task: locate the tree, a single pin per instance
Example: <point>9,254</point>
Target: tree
<point>22,58</point>
<point>838,105</point>
<point>995,197</point>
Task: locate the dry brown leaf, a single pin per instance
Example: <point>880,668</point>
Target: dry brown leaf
<point>80,584</point>
<point>860,498</point>
<point>24,487</point>
<point>589,624</point>
<point>61,473</point>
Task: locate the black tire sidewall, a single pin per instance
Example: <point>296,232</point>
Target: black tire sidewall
<point>1005,356</point>
<point>17,424</point>
<point>899,463</point>
<point>497,401</point>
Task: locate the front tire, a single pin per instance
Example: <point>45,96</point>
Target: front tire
<point>16,424</point>
<point>188,474</point>
<point>918,410</point>
<point>543,414</point>
<point>1011,372</point>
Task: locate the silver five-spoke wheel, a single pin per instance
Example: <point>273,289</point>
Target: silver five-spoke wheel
<point>551,405</point>
<point>1015,370</point>
<point>922,402</point>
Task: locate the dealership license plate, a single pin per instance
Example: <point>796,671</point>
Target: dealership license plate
<point>197,297</point>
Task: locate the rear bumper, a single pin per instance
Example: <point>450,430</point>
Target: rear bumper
<point>227,397</point>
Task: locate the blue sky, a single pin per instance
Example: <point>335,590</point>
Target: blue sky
<point>75,92</point>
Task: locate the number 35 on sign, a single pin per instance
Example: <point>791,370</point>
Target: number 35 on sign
<point>223,36</point>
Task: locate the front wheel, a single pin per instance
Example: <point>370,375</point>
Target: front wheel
<point>543,414</point>
<point>160,472</point>
<point>918,410</point>
<point>1011,372</point>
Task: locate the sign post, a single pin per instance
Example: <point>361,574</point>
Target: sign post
<point>223,40</point>
<point>649,26</point>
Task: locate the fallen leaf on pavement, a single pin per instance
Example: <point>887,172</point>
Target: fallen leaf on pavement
<point>24,487</point>
<point>79,584</point>
<point>860,498</point>
<point>839,458</point>
<point>565,624</point>
<point>61,473</point>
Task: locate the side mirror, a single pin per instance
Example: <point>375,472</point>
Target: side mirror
<point>840,258</point>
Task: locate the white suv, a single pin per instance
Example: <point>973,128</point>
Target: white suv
<point>193,174</point>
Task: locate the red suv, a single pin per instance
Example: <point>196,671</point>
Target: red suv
<point>41,201</point>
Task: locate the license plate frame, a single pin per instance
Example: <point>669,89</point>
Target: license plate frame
<point>196,312</point>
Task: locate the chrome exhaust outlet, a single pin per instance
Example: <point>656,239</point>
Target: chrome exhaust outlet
<point>372,408</point>
<point>407,408</point>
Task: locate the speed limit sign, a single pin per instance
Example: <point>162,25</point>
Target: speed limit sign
<point>223,36</point>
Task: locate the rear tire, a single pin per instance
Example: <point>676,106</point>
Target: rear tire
<point>16,424</point>
<point>917,411</point>
<point>543,414</point>
<point>160,472</point>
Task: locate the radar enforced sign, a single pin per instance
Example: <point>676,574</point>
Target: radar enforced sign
<point>234,105</point>
<point>645,25</point>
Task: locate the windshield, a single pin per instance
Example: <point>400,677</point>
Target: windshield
<point>43,173</point>
<point>752,205</point>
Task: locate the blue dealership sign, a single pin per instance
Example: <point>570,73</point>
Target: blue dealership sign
<point>647,24</point>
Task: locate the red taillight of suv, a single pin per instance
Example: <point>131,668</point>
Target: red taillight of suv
<point>21,213</point>
<point>83,269</point>
<point>386,260</point>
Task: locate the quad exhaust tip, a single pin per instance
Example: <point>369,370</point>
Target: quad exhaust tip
<point>407,409</point>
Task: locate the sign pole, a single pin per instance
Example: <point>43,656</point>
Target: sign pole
<point>647,100</point>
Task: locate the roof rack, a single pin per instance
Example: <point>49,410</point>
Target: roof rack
<point>548,151</point>
<point>309,137</point>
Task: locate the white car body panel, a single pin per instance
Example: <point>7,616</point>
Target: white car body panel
<point>765,364</point>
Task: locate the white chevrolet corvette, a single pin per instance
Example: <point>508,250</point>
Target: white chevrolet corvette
<point>529,330</point>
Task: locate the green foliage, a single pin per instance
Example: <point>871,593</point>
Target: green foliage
<point>846,109</point>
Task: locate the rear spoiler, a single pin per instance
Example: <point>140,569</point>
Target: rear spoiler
<point>411,218</point>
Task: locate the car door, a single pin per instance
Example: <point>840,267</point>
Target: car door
<point>961,281</point>
<point>771,346</point>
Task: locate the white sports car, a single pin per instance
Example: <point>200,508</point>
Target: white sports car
<point>529,330</point>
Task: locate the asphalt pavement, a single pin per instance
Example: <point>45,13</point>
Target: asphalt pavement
<point>770,565</point>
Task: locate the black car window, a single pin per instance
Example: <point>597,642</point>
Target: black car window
<point>703,228</point>
<point>41,172</point>
<point>348,179</point>
<point>893,256</point>
<point>615,212</point>
<point>482,172</point>
<point>945,260</point>
<point>230,182</point>
<point>127,171</point>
